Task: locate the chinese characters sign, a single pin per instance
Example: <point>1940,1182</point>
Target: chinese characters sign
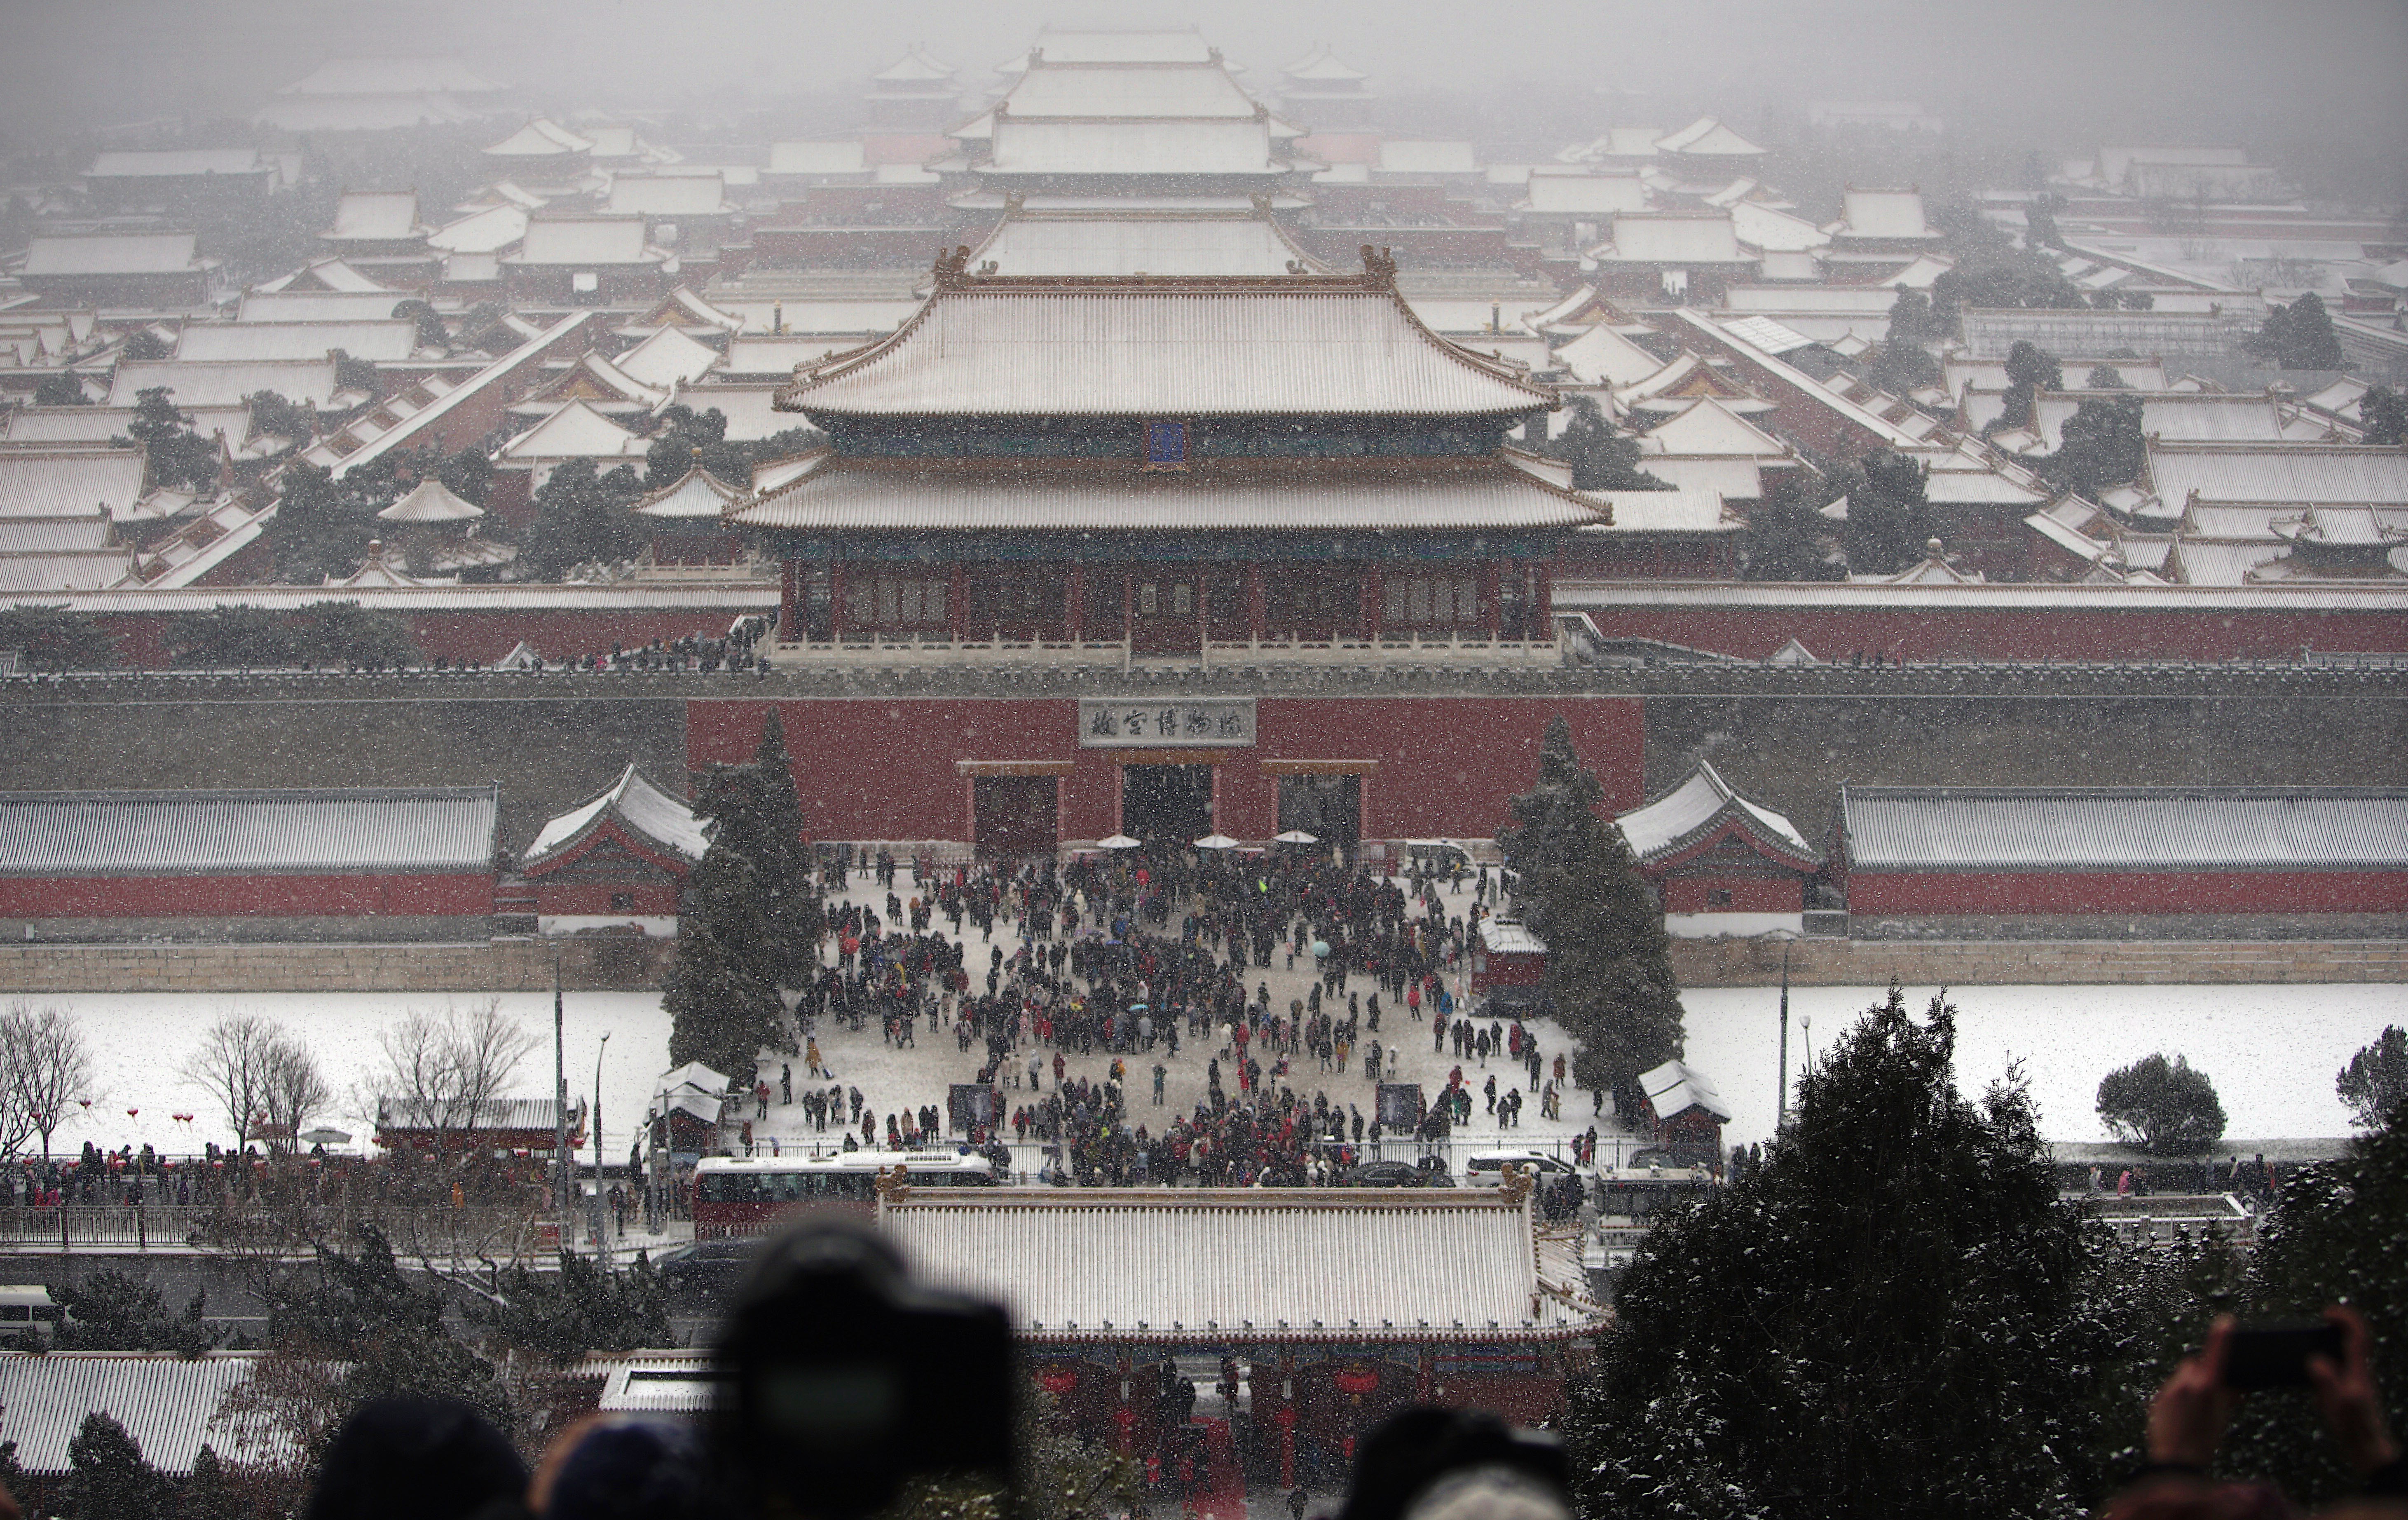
<point>1147,723</point>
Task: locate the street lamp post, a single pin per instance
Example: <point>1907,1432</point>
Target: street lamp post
<point>598,1205</point>
<point>563,1169</point>
<point>1781,1110</point>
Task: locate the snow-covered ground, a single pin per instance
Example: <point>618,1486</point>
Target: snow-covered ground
<point>2272,1052</point>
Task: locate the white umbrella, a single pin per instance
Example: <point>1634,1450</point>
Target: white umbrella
<point>324,1137</point>
<point>1216,841</point>
<point>1117,841</point>
<point>1294,836</point>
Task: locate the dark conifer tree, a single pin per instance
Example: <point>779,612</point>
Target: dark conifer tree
<point>1884,1318</point>
<point>107,1477</point>
<point>2299,336</point>
<point>1608,962</point>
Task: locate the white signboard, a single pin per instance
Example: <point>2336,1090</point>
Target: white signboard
<point>1155,722</point>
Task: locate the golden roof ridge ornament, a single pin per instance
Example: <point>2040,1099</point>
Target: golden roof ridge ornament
<point>953,266</point>
<point>1379,268</point>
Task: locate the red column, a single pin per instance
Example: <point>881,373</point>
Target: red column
<point>1375,595</point>
<point>835,599</point>
<point>788,574</point>
<point>1489,611</point>
<point>1128,607</point>
<point>1255,602</point>
<point>957,601</point>
<point>1074,608</point>
<point>1543,621</point>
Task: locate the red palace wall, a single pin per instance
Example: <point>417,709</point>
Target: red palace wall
<point>1748,893</point>
<point>2139,893</point>
<point>1928,633</point>
<point>885,769</point>
<point>246,897</point>
<point>484,637</point>
<point>658,898</point>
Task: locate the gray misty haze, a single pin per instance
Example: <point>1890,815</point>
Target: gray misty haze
<point>2060,74</point>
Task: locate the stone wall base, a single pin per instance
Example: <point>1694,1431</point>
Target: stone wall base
<point>624,963</point>
<point>2006,963</point>
<point>592,964</point>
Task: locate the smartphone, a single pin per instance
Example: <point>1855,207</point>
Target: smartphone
<point>2276,1355</point>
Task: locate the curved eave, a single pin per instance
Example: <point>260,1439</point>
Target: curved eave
<point>1729,821</point>
<point>608,822</point>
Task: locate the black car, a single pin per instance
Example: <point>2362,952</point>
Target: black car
<point>1394,1174</point>
<point>705,1268</point>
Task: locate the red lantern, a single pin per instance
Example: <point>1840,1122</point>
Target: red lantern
<point>1357,1380</point>
<point>1058,1381</point>
<point>132,1112</point>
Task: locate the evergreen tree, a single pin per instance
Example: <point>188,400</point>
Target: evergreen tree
<point>2105,377</point>
<point>585,1306</point>
<point>53,638</point>
<point>2336,1234</point>
<point>754,920</point>
<point>1608,961</point>
<point>2029,371</point>
<point>107,1477</point>
<point>1889,518</point>
<point>322,528</point>
<point>271,414</point>
<point>348,635</point>
<point>2101,446</point>
<point>181,459</point>
<point>1601,458</point>
<point>116,1310</point>
<point>2166,1107</point>
<point>145,346</point>
<point>236,638</point>
<point>468,475</point>
<point>63,389</point>
<point>2375,1081</point>
<point>210,1493</point>
<point>1785,533</point>
<point>2298,336</point>
<point>1886,1318</point>
<point>2040,220</point>
<point>387,1332</point>
<point>581,516</point>
<point>1911,320</point>
<point>2385,411</point>
<point>1901,368</point>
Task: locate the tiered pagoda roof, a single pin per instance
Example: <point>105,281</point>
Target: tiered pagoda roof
<point>1328,345</point>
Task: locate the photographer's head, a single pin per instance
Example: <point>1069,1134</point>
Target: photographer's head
<point>840,1377</point>
<point>1443,1464</point>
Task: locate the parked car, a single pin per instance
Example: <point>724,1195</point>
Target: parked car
<point>1394,1174</point>
<point>1486,1168</point>
<point>705,1268</point>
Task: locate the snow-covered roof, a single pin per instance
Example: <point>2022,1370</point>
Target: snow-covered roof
<point>168,1403</point>
<point>1148,1263</point>
<point>840,494</point>
<point>1125,93</point>
<point>111,253</point>
<point>1602,355</point>
<point>1707,137</point>
<point>632,803</point>
<point>667,355</point>
<point>1324,345</point>
<point>1127,246</point>
<point>2259,472</point>
<point>192,384</point>
<point>1775,232</point>
<point>541,138</point>
<point>1709,427</point>
<point>1688,509</point>
<point>1675,1087</point>
<point>430,501</point>
<point>1667,237</point>
<point>1887,214</point>
<point>202,833</point>
<point>1102,45</point>
<point>1321,66</point>
<point>576,431</point>
<point>2124,828</point>
<point>1581,194</point>
<point>696,494</point>
<point>489,231</point>
<point>668,195</point>
<point>1700,809</point>
<point>375,215</point>
<point>71,482</point>
<point>585,240</point>
<point>254,342</point>
<point>915,66</point>
<point>1236,146</point>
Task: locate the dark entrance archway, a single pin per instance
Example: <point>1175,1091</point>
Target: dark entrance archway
<point>1169,803</point>
<point>1327,806</point>
<point>1015,816</point>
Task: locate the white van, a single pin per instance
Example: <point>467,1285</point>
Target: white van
<point>1486,1168</point>
<point>23,1305</point>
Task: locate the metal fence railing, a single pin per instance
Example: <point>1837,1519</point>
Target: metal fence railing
<point>470,1233</point>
